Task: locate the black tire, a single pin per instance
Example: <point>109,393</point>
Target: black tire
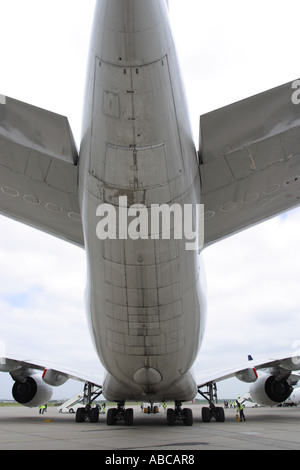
<point>206,414</point>
<point>188,416</point>
<point>220,414</point>
<point>128,417</point>
<point>171,417</point>
<point>80,415</point>
<point>94,415</point>
<point>110,417</point>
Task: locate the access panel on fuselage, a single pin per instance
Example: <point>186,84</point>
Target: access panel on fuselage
<point>135,142</point>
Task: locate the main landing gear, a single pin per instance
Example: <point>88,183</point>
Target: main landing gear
<point>185,415</point>
<point>88,412</point>
<point>212,411</point>
<point>179,415</point>
<point>120,415</point>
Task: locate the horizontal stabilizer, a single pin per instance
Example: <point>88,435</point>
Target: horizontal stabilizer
<point>38,170</point>
<point>250,158</point>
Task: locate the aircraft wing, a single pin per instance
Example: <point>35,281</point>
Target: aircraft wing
<point>56,375</point>
<point>39,170</point>
<point>281,366</point>
<point>250,161</point>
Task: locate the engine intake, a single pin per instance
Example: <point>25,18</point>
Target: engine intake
<point>32,392</point>
<point>269,392</point>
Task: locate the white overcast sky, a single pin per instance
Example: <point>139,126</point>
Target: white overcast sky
<point>228,50</point>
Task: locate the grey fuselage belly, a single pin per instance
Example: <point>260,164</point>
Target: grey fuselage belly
<point>145,302</point>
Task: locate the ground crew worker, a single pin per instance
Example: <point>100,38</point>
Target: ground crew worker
<point>240,409</point>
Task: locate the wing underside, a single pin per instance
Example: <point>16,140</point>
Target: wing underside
<point>280,365</point>
<point>19,369</point>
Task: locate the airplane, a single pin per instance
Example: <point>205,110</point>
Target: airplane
<point>146,301</point>
<point>294,398</point>
<point>272,382</point>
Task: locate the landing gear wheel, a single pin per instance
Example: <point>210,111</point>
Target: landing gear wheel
<point>128,417</point>
<point>94,415</point>
<point>120,415</point>
<point>179,415</point>
<point>219,414</point>
<point>80,415</point>
<point>213,411</point>
<point>188,414</point>
<point>171,417</point>
<point>91,393</point>
<point>206,414</point>
<point>111,417</point>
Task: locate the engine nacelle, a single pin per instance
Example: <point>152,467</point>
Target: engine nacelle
<point>33,392</point>
<point>270,392</point>
<point>54,378</point>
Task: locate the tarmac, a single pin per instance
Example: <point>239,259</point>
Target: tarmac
<point>265,429</point>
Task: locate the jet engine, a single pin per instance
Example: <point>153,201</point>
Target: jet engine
<point>269,391</point>
<point>32,392</point>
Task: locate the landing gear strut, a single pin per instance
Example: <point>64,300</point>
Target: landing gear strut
<point>120,414</point>
<point>91,393</point>
<point>179,415</point>
<point>212,411</point>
